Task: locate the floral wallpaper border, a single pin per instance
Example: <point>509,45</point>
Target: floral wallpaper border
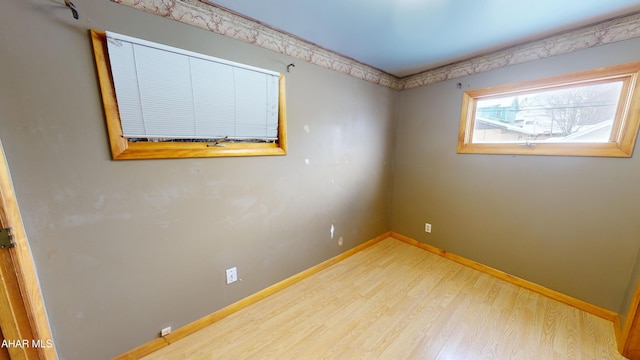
<point>207,16</point>
<point>606,32</point>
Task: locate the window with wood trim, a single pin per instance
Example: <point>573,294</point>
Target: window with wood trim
<point>590,113</point>
<point>163,102</point>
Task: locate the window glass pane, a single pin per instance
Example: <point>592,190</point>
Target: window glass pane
<point>251,107</point>
<point>214,98</point>
<point>125,79</point>
<point>583,113</point>
<point>165,93</point>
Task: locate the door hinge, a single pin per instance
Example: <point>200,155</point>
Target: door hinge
<point>6,238</point>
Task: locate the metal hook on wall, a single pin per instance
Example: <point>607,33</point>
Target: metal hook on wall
<point>74,11</point>
<point>289,67</point>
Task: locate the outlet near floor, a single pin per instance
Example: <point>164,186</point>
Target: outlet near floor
<point>232,275</point>
<point>427,227</point>
<point>166,331</point>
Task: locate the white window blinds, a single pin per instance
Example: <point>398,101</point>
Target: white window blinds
<point>165,92</point>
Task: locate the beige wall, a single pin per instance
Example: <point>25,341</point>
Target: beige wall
<point>567,223</point>
<point>125,248</point>
<point>634,282</point>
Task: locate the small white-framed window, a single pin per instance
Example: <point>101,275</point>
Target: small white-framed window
<point>590,113</point>
<point>164,102</point>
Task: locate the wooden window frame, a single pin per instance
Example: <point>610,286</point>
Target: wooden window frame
<point>623,133</point>
<point>123,149</point>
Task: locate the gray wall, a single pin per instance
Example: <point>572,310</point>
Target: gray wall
<point>634,282</point>
<point>567,223</point>
<point>125,248</point>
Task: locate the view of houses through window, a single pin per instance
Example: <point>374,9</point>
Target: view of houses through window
<point>582,113</point>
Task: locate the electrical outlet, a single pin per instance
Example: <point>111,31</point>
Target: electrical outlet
<point>165,331</point>
<point>232,275</point>
<point>427,228</point>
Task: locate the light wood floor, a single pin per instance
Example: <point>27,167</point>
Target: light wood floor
<point>396,301</point>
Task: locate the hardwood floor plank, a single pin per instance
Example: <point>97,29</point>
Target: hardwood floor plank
<point>396,301</point>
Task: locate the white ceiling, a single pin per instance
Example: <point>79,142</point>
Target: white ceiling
<point>404,37</point>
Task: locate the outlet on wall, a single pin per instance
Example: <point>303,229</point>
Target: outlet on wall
<point>165,331</point>
<point>427,228</point>
<point>232,275</point>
